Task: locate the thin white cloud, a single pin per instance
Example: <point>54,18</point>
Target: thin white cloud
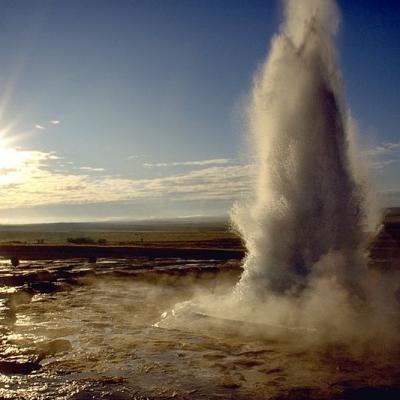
<point>31,178</point>
<point>383,149</point>
<point>380,164</point>
<point>37,126</point>
<point>92,169</point>
<point>34,181</point>
<point>217,161</point>
<point>55,122</point>
<point>383,155</point>
<point>133,157</point>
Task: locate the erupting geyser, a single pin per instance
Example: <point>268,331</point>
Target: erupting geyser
<point>304,224</point>
<point>307,208</point>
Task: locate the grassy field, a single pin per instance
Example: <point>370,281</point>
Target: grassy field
<point>118,238</point>
<point>169,233</point>
<point>57,242</point>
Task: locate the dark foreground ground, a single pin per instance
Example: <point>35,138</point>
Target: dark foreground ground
<point>71,329</point>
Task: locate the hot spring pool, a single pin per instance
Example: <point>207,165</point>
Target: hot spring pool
<point>87,332</point>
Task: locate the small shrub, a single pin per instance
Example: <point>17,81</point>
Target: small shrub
<point>81,240</point>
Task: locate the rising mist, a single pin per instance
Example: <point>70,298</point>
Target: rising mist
<point>304,227</point>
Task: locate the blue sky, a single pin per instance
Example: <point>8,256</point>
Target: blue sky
<point>134,109</point>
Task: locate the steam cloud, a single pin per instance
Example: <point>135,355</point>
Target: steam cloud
<point>307,203</point>
<point>303,227</point>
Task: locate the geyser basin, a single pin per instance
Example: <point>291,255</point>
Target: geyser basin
<point>95,334</point>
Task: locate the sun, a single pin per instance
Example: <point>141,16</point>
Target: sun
<point>12,157</point>
<point>16,165</point>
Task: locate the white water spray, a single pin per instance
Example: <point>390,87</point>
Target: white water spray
<point>307,205</point>
<point>305,271</point>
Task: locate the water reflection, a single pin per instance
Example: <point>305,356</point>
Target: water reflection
<point>93,336</point>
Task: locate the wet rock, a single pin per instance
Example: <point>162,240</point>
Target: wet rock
<point>371,393</point>
<point>43,287</point>
<point>66,286</point>
<point>11,280</point>
<point>44,276</point>
<point>230,384</point>
<point>64,273</point>
<point>111,380</point>
<point>14,261</point>
<point>10,367</point>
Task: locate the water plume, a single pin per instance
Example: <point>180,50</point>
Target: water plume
<point>304,226</point>
<point>307,203</point>
<point>305,273</point>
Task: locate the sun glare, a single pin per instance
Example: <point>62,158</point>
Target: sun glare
<point>14,162</point>
<point>12,157</point>
<point>9,158</point>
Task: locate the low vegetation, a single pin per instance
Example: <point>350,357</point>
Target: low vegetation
<point>86,240</point>
<point>122,238</point>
